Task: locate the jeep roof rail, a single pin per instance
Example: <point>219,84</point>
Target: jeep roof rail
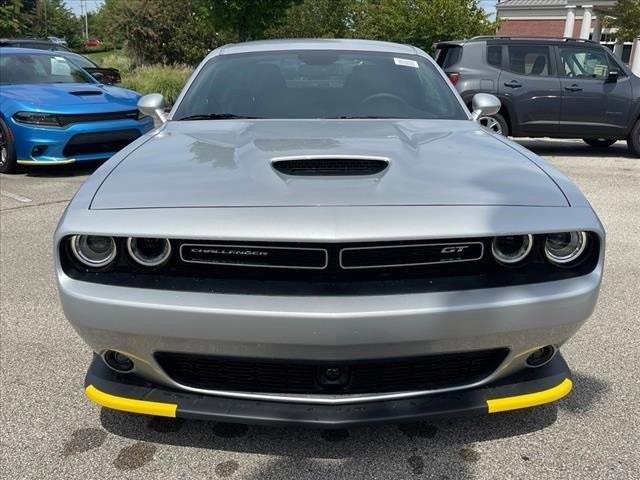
<point>508,37</point>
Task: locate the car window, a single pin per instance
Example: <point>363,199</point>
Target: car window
<point>494,55</point>
<point>448,56</point>
<point>79,60</point>
<point>530,60</point>
<point>34,69</point>
<point>320,84</point>
<point>584,63</point>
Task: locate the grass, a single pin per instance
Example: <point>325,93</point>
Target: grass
<point>165,79</point>
<point>99,57</point>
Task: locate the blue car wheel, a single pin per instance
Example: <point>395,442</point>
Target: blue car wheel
<point>8,162</point>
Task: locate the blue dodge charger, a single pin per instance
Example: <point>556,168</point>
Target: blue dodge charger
<point>53,112</point>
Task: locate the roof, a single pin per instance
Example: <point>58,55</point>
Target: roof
<point>531,3</point>
<point>318,44</point>
<point>33,51</point>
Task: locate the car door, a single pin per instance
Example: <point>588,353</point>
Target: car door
<point>530,89</point>
<point>593,103</point>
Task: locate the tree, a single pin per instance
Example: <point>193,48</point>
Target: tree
<point>53,18</point>
<point>12,22</point>
<point>160,31</point>
<point>316,19</point>
<point>626,15</point>
<point>421,22</point>
<point>248,19</point>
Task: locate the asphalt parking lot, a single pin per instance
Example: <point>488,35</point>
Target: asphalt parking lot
<point>50,431</point>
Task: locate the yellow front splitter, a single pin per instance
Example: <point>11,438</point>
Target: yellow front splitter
<point>527,400</point>
<point>164,409</point>
<point>124,404</point>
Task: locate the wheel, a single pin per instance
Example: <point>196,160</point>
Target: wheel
<point>599,142</point>
<point>496,123</point>
<point>633,141</point>
<point>8,162</point>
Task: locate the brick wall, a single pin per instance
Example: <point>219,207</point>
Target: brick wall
<point>536,28</point>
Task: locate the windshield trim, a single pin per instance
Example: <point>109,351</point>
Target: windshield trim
<point>215,55</point>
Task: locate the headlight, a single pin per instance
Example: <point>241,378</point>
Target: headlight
<point>511,249</point>
<point>93,250</point>
<point>35,118</point>
<point>565,247</point>
<point>149,252</point>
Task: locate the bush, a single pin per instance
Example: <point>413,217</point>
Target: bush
<point>165,79</point>
<point>119,61</point>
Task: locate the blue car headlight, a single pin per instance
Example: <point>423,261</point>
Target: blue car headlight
<point>35,118</point>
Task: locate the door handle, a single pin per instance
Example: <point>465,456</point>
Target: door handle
<point>573,88</point>
<point>513,84</point>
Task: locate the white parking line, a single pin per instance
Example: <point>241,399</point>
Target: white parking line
<point>18,198</point>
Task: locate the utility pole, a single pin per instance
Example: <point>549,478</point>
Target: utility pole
<point>83,13</point>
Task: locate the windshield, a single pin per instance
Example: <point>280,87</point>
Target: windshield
<point>25,68</point>
<point>319,84</point>
<point>79,60</point>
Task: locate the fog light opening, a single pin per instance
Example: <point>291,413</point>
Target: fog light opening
<point>38,150</point>
<point>541,357</point>
<point>117,361</point>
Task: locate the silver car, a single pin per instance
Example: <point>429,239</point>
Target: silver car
<point>319,233</point>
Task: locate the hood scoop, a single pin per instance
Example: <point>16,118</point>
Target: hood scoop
<point>86,93</point>
<point>330,166</point>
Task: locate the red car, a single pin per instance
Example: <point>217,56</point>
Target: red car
<point>92,43</point>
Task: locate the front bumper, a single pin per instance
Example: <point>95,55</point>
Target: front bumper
<point>50,142</point>
<point>129,393</point>
<point>141,322</point>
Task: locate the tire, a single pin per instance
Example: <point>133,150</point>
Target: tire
<point>599,142</point>
<point>8,163</point>
<point>633,141</point>
<point>496,123</point>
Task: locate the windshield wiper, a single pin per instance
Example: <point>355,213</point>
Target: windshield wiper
<point>217,116</point>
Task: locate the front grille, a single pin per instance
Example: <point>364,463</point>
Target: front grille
<point>97,117</point>
<point>307,377</point>
<point>330,269</point>
<point>98,143</point>
<point>255,256</point>
<point>410,255</point>
<point>340,166</point>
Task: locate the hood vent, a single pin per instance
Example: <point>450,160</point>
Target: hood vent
<point>330,166</point>
<point>86,93</point>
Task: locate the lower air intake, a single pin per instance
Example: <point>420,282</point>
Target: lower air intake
<point>308,377</point>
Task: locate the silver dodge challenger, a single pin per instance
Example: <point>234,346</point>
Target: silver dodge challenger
<point>320,233</point>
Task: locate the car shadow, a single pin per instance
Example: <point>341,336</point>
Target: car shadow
<point>573,148</point>
<point>71,170</point>
<point>444,448</point>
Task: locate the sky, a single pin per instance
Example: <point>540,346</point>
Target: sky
<point>488,5</point>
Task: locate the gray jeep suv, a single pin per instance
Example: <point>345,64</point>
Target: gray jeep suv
<point>562,88</point>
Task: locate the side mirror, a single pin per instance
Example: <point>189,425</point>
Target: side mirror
<point>153,105</point>
<point>484,105</point>
<point>613,76</point>
<point>98,76</point>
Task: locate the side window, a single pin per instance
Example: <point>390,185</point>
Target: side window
<point>584,63</point>
<point>494,55</point>
<point>449,56</point>
<point>530,60</point>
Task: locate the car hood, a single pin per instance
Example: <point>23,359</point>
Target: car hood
<point>228,163</point>
<point>70,97</point>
